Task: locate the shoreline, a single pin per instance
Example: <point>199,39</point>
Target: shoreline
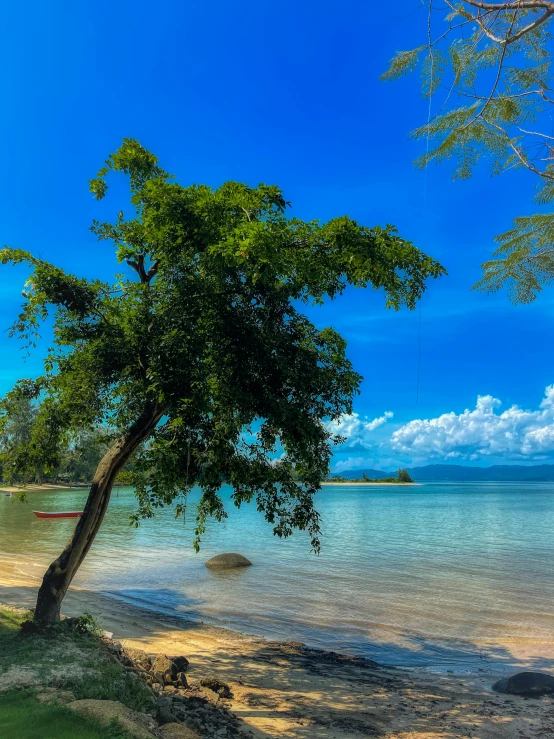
<point>397,484</point>
<point>47,486</point>
<point>286,689</point>
<point>42,488</point>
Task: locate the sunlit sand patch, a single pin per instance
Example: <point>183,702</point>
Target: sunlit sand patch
<point>281,690</point>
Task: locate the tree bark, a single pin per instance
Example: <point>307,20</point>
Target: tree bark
<point>61,572</point>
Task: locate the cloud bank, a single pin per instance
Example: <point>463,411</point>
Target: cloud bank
<point>357,430</point>
<point>482,432</point>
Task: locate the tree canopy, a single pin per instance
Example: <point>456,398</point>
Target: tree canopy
<point>203,365</point>
<point>486,68</point>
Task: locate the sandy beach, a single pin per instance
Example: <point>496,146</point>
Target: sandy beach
<point>43,488</point>
<point>286,690</point>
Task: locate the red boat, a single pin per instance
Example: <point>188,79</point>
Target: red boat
<point>67,514</point>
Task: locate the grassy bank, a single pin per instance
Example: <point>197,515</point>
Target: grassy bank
<point>41,672</point>
<point>24,717</point>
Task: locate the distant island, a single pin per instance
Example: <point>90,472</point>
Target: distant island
<point>402,478</point>
<point>457,473</point>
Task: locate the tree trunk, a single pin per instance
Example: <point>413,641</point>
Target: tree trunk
<point>61,572</point>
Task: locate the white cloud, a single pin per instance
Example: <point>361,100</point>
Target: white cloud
<point>357,430</point>
<point>482,432</point>
<point>352,463</point>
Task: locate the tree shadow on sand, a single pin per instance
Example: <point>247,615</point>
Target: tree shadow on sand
<point>292,691</point>
<point>314,693</point>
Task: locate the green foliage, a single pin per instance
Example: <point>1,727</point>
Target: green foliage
<point>18,413</point>
<point>403,476</point>
<point>524,260</point>
<point>25,458</point>
<point>211,334</point>
<point>111,683</point>
<point>10,622</point>
<point>87,624</point>
<point>487,67</point>
<point>402,63</point>
<point>22,716</point>
<point>125,477</point>
<point>76,644</point>
<point>82,453</point>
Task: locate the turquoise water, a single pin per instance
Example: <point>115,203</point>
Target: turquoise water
<point>439,574</point>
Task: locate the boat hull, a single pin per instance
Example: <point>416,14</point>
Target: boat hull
<point>66,514</point>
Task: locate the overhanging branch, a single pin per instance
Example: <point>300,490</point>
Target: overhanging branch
<point>545,5</point>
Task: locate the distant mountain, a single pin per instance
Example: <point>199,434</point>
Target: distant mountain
<point>459,473</point>
<point>372,474</point>
<point>496,473</point>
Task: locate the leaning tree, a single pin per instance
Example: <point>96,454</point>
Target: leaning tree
<point>485,70</point>
<point>203,365</point>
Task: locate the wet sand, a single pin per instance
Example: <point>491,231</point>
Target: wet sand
<point>282,689</point>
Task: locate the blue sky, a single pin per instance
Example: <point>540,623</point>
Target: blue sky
<point>286,94</point>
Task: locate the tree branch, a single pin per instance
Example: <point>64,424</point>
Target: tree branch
<point>138,266</point>
<point>515,4</point>
<point>498,74</point>
<point>536,133</point>
<point>522,159</point>
<point>153,270</point>
<point>548,7</point>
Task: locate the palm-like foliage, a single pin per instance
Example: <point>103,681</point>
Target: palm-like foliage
<point>487,66</point>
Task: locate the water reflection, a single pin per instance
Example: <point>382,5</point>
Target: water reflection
<point>417,576</point>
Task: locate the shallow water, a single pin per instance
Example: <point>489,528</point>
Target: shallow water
<point>438,574</point>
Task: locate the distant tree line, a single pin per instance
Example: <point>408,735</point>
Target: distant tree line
<point>77,454</point>
<point>401,476</point>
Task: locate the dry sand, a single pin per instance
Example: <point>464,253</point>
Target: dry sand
<point>285,690</point>
<point>45,487</point>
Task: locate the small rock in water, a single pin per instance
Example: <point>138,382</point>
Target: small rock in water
<point>526,684</point>
<point>228,561</point>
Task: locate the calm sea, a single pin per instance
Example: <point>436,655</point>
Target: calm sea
<point>439,574</point>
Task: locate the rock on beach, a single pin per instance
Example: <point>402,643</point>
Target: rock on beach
<point>228,561</point>
<point>527,684</point>
<point>178,731</point>
<point>139,725</point>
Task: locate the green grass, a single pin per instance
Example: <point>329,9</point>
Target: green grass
<point>69,660</point>
<point>66,659</point>
<point>23,717</point>
<point>14,650</point>
<point>110,683</point>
